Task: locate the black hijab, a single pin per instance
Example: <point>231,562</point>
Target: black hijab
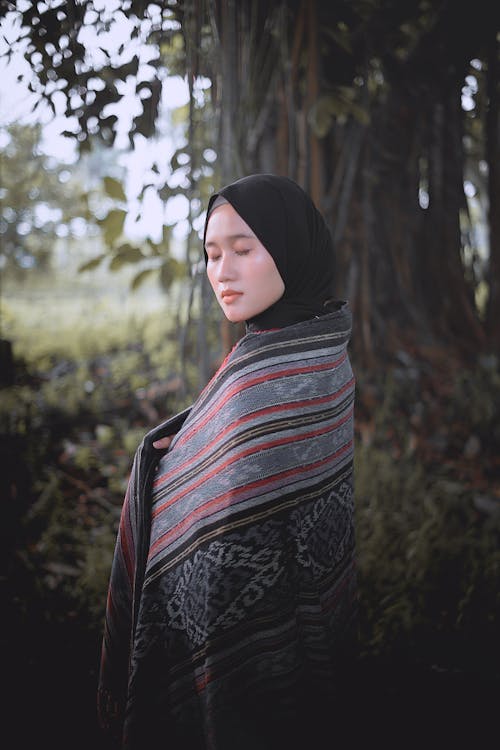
<point>286,221</point>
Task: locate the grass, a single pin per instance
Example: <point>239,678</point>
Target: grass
<point>67,319</point>
<point>94,373</point>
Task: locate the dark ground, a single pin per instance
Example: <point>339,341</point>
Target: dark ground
<point>50,663</point>
<point>51,682</point>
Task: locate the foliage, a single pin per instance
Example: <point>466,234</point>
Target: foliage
<point>428,511</point>
<point>69,427</point>
<point>41,202</point>
<point>364,104</point>
<point>427,514</point>
<point>381,111</point>
<point>427,530</point>
<point>429,565</point>
<point>54,36</point>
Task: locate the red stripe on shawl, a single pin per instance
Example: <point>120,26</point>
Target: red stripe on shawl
<point>111,614</point>
<point>202,682</point>
<point>260,412</point>
<point>228,497</point>
<point>248,452</point>
<point>256,381</point>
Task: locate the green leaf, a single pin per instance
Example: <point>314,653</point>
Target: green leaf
<point>342,37</point>
<point>124,255</point>
<point>323,113</point>
<point>141,277</point>
<point>336,105</point>
<point>166,231</point>
<point>174,161</point>
<point>114,189</point>
<point>167,192</point>
<point>180,115</point>
<point>143,190</point>
<point>89,265</point>
<point>171,270</point>
<point>112,225</point>
<point>128,69</point>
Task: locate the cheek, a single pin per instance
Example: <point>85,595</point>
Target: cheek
<point>273,278</point>
<point>279,285</point>
<point>262,269</point>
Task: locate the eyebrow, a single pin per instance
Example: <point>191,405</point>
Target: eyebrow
<point>233,237</point>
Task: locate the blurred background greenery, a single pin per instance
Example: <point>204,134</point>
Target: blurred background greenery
<point>118,120</point>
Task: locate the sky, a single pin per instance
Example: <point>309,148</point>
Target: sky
<point>16,104</point>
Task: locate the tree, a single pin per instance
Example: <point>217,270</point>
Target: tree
<point>366,113</point>
<point>360,102</point>
<point>39,202</point>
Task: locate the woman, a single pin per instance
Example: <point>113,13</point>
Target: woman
<point>232,596</point>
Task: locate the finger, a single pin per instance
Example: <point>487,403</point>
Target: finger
<point>162,443</point>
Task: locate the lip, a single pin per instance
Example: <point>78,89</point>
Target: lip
<point>230,295</point>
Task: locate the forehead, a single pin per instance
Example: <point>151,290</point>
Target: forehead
<point>225,221</point>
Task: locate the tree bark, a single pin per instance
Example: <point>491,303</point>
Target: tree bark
<point>493,160</point>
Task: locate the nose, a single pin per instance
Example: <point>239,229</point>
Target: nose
<point>225,270</point>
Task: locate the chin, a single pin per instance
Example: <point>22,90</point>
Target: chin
<point>234,318</point>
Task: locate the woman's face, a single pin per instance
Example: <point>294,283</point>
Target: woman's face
<point>241,272</point>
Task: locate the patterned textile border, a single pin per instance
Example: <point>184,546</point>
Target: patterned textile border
<point>234,567</point>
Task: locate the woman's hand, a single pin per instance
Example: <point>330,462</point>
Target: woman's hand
<point>163,443</point>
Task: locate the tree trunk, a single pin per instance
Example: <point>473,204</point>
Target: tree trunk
<point>7,368</point>
<point>397,261</point>
<point>315,182</point>
<point>493,160</point>
<point>228,105</point>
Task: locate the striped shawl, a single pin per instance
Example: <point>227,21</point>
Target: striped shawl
<point>232,592</point>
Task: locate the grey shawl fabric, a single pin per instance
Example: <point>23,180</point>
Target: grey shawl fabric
<point>232,599</point>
